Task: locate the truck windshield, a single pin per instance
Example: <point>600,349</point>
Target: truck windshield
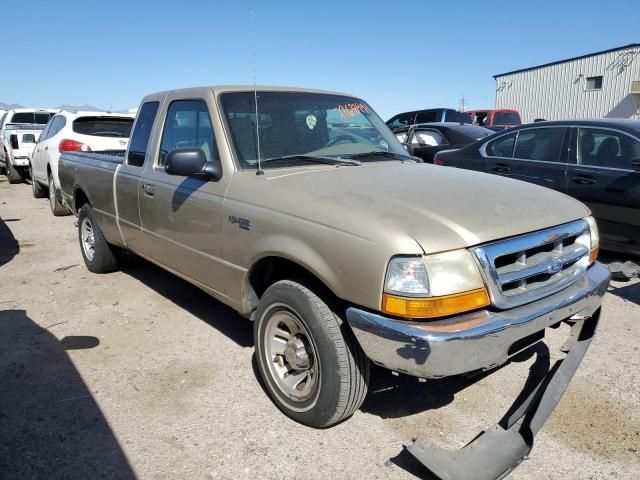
<point>293,125</point>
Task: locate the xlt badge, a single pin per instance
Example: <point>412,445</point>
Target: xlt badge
<point>243,223</point>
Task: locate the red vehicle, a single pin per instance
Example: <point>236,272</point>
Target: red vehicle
<point>496,119</point>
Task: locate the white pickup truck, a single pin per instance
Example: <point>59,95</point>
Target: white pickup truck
<point>19,132</point>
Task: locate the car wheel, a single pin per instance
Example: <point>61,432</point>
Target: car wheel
<point>309,360</point>
<point>14,175</point>
<point>38,190</point>
<point>99,256</point>
<point>56,207</point>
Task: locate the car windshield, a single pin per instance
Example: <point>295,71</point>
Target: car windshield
<point>290,127</point>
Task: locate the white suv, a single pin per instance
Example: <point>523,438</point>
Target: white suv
<point>74,131</point>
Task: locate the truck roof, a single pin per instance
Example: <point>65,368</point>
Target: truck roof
<point>217,89</point>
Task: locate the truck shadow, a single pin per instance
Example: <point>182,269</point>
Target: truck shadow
<point>9,246</point>
<point>50,425</point>
<point>192,299</point>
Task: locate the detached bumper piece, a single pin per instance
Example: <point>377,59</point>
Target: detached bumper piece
<point>483,340</point>
<point>497,451</point>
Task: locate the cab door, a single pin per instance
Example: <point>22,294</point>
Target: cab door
<point>606,178</point>
<point>182,217</point>
<point>129,173</point>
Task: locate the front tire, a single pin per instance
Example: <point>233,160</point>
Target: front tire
<point>99,256</point>
<point>57,208</point>
<point>38,190</point>
<point>311,364</point>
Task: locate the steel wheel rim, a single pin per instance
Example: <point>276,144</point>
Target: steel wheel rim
<point>88,239</point>
<point>290,355</point>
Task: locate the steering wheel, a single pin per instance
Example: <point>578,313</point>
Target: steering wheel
<point>342,138</point>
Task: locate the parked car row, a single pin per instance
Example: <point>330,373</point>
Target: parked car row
<point>301,210</point>
<point>594,161</point>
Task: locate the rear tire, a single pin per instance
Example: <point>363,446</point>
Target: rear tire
<point>38,190</point>
<point>99,256</point>
<point>292,318</point>
<point>13,174</point>
<point>57,208</point>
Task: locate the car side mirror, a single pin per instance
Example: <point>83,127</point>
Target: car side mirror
<point>191,161</point>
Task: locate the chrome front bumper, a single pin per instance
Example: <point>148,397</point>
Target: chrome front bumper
<point>476,341</point>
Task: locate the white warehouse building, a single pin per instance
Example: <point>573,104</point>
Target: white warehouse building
<point>598,85</point>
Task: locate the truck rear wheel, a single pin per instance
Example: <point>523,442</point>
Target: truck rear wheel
<point>57,208</point>
<point>311,364</point>
<point>99,256</point>
<point>14,175</point>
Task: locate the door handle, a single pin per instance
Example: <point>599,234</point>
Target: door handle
<point>148,189</point>
<point>501,168</point>
<point>583,179</point>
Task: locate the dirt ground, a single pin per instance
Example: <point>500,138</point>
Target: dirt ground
<point>137,374</point>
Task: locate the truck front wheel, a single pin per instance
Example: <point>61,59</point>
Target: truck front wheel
<point>99,256</point>
<point>309,360</point>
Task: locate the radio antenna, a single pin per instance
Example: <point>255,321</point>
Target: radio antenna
<point>255,93</point>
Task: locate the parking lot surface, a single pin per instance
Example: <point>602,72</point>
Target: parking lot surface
<point>138,374</point>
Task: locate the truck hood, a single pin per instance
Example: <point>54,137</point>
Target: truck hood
<point>441,208</point>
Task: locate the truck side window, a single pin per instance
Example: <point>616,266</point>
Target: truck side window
<point>188,125</point>
<point>141,133</point>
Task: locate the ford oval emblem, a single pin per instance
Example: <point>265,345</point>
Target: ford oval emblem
<point>555,267</point>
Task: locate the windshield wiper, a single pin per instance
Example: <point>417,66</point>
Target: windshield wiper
<point>313,159</point>
<point>380,153</point>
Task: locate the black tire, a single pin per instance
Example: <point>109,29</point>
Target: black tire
<point>344,370</point>
<point>57,208</point>
<point>38,190</point>
<point>14,175</point>
<point>104,257</point>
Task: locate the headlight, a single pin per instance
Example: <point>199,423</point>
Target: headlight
<point>595,239</point>
<point>433,285</point>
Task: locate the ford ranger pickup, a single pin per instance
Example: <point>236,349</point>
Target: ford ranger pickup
<point>302,211</point>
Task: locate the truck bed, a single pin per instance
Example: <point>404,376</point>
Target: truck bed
<point>92,173</point>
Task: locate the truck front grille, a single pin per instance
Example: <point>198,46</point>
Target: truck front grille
<point>525,268</point>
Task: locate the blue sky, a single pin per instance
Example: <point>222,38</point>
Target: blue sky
<point>396,55</point>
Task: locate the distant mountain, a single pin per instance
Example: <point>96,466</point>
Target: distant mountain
<point>9,106</point>
<point>83,108</point>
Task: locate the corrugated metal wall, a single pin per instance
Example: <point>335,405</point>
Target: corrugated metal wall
<point>558,91</point>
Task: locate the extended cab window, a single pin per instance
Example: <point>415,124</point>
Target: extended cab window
<point>607,148</point>
<point>502,147</point>
<point>543,144</point>
<point>188,125</point>
<point>141,133</point>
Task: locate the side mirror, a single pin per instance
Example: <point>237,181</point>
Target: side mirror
<point>191,161</point>
<point>409,148</point>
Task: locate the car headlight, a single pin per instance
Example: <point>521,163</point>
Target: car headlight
<point>433,285</point>
<point>595,239</point>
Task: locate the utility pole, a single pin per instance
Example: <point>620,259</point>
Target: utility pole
<point>463,103</point>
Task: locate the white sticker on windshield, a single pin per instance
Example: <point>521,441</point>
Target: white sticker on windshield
<point>311,121</point>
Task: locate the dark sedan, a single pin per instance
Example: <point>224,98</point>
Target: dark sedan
<point>595,161</point>
<point>427,139</point>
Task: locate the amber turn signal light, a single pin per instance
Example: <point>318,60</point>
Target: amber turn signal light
<point>594,255</point>
<point>433,307</point>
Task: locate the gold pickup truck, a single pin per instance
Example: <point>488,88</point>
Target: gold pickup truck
<point>301,210</point>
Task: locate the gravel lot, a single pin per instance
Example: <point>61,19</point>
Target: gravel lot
<point>139,374</point>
